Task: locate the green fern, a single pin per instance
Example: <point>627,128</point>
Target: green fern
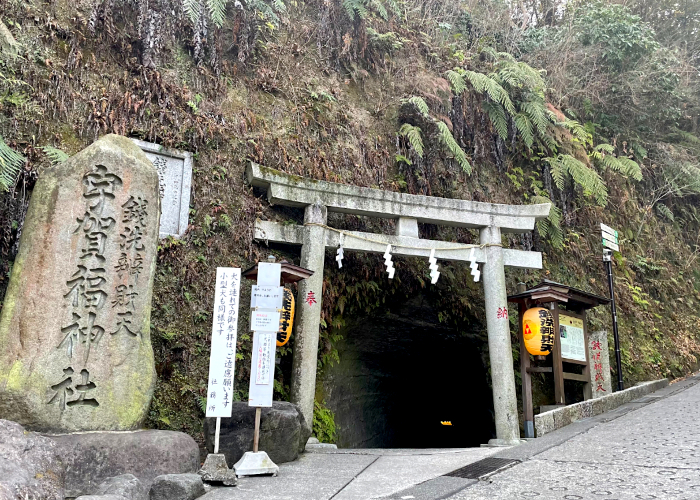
<point>456,81</point>
<point>489,53</point>
<point>413,134</point>
<point>379,7</point>
<point>11,163</point>
<point>448,141</point>
<point>536,111</point>
<point>420,104</point>
<point>564,167</point>
<point>484,84</point>
<point>578,131</point>
<point>550,228</point>
<point>524,126</point>
<point>55,155</point>
<point>361,9</point>
<point>202,403</point>
<point>267,12</point>
<point>514,93</point>
<point>603,155</point>
<point>217,11</point>
<point>192,10</point>
<point>498,118</point>
<point>665,211</point>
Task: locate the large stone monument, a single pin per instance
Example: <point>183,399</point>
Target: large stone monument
<point>75,347</point>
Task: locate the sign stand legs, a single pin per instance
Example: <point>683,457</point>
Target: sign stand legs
<point>221,368</point>
<point>216,436</point>
<point>266,298</point>
<point>607,258</point>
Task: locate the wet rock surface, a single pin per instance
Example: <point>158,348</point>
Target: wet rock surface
<point>30,466</point>
<point>93,458</point>
<point>282,432</point>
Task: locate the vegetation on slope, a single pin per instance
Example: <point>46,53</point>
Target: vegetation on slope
<point>592,105</point>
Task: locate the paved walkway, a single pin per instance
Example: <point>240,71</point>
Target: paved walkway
<point>647,449</point>
<point>351,474</point>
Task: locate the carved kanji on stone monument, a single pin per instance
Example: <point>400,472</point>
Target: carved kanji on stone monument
<point>75,350</point>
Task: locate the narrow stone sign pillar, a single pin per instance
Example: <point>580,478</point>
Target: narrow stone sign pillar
<point>75,347</point>
<point>309,312</point>
<point>601,381</point>
<point>505,404</point>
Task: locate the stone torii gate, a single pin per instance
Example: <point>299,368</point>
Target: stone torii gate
<point>319,197</point>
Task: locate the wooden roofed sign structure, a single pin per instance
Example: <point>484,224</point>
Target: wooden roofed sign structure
<point>568,306</point>
<point>315,236</point>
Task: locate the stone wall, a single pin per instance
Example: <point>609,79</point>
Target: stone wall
<point>561,417</point>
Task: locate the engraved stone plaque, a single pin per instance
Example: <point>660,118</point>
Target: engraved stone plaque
<point>601,379</point>
<point>75,345</point>
<point>175,183</point>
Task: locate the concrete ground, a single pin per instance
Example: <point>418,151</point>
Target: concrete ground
<point>647,449</point>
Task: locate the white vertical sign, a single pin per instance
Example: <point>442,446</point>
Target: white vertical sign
<point>266,324</point>
<point>224,336</point>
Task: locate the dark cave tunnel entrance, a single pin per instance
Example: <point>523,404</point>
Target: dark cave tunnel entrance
<point>401,374</point>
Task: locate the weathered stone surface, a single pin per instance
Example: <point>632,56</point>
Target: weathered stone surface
<point>291,190</point>
<point>101,497</point>
<point>29,465</point>
<point>255,464</point>
<point>601,383</point>
<point>125,485</point>
<point>175,179</point>
<point>93,457</point>
<point>75,347</point>
<point>283,432</point>
<point>177,487</point>
<point>215,470</point>
<point>549,421</point>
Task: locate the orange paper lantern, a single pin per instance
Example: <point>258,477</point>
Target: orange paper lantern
<point>286,318</point>
<point>538,331</point>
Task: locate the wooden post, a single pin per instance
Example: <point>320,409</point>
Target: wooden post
<point>216,436</point>
<point>528,414</point>
<point>557,365</point>
<point>256,436</point>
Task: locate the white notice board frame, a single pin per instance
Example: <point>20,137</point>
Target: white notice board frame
<point>224,336</point>
<point>573,345</point>
<point>262,383</point>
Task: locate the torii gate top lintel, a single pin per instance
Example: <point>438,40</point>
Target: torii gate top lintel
<point>291,190</point>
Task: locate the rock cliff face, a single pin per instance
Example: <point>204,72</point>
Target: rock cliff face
<point>403,373</point>
<point>30,465</point>
<point>328,97</point>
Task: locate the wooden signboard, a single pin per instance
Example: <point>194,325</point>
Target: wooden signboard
<point>568,306</point>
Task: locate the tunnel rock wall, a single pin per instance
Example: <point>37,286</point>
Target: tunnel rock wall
<point>401,374</point>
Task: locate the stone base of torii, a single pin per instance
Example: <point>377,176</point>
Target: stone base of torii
<point>320,197</point>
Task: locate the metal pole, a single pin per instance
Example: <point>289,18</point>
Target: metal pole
<point>607,258</point>
<point>256,437</point>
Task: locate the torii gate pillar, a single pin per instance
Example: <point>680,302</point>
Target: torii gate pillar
<point>304,364</point>
<point>505,404</point>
